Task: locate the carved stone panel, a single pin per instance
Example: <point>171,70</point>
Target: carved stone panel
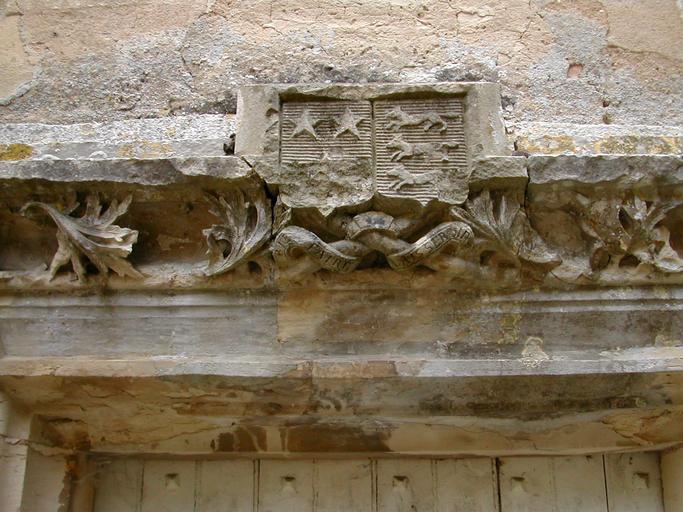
<point>413,148</point>
<point>326,147</point>
<point>420,149</point>
<point>317,131</point>
<point>343,145</point>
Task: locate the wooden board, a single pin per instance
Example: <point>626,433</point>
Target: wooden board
<point>225,486</point>
<point>168,486</point>
<point>552,484</point>
<point>405,485</point>
<point>623,483</point>
<point>634,483</point>
<point>285,486</point>
<point>466,485</point>
<point>118,485</point>
<point>343,482</point>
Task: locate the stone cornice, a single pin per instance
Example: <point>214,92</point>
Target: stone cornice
<point>338,186</point>
<point>568,203</point>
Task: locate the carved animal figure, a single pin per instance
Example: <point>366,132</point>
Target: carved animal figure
<point>404,149</point>
<point>398,119</point>
<point>405,178</point>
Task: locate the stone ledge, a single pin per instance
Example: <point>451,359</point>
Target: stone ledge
<point>579,139</point>
<point>493,171</point>
<point>180,136</point>
<point>528,329</point>
<point>136,171</point>
<point>627,170</point>
<point>634,361</point>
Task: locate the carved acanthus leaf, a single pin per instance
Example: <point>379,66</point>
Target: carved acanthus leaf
<point>93,236</point>
<point>502,226</point>
<point>622,228</point>
<point>246,225</point>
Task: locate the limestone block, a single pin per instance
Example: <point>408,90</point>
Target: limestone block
<point>18,68</point>
<point>634,482</point>
<point>580,139</point>
<point>178,136</point>
<point>621,170</point>
<point>502,172</point>
<point>538,484</point>
<point>14,431</point>
<point>342,144</point>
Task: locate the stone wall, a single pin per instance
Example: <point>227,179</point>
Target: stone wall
<point>583,61</point>
<point>420,228</point>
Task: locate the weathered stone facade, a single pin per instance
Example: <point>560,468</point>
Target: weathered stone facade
<point>370,230</point>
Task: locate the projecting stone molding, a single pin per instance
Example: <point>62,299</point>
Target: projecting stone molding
<point>363,180</point>
<point>366,269</point>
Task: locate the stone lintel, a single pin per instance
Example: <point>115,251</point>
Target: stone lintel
<point>199,414</point>
<point>637,361</point>
<point>525,332</point>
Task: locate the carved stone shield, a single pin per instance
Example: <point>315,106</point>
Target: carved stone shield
<point>415,147</point>
<point>326,131</point>
<point>342,145</point>
<point>420,149</point>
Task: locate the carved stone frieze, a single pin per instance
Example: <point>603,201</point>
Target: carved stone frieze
<point>372,176</point>
<point>93,237</point>
<point>490,233</point>
<point>403,242</point>
<point>614,220</point>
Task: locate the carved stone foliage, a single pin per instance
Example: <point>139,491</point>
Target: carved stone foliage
<point>627,232</point>
<point>403,241</point>
<point>245,227</point>
<point>93,236</point>
<point>504,235</point>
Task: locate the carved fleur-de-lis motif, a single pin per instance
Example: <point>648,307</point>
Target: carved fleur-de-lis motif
<point>93,236</point>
